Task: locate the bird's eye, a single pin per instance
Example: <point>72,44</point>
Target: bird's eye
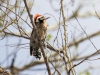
<point>41,20</point>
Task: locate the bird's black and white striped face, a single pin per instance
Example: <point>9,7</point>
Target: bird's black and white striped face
<point>40,19</point>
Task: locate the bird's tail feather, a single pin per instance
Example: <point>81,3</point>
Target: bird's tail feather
<point>35,52</point>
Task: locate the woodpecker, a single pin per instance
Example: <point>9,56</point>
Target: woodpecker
<point>41,28</point>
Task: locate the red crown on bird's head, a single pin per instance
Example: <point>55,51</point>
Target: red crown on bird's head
<point>37,15</point>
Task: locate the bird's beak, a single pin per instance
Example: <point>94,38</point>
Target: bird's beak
<point>47,18</point>
<point>44,18</point>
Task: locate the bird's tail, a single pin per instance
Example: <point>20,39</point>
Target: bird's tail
<point>35,51</point>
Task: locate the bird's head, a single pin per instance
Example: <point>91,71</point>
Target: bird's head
<point>39,18</point>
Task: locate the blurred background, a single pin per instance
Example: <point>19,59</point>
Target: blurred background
<point>82,30</point>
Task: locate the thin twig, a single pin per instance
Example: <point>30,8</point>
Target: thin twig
<point>45,57</point>
<point>98,51</point>
<point>65,48</point>
<point>85,33</point>
<point>55,68</point>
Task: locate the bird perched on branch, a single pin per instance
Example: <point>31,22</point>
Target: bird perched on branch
<point>41,28</point>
